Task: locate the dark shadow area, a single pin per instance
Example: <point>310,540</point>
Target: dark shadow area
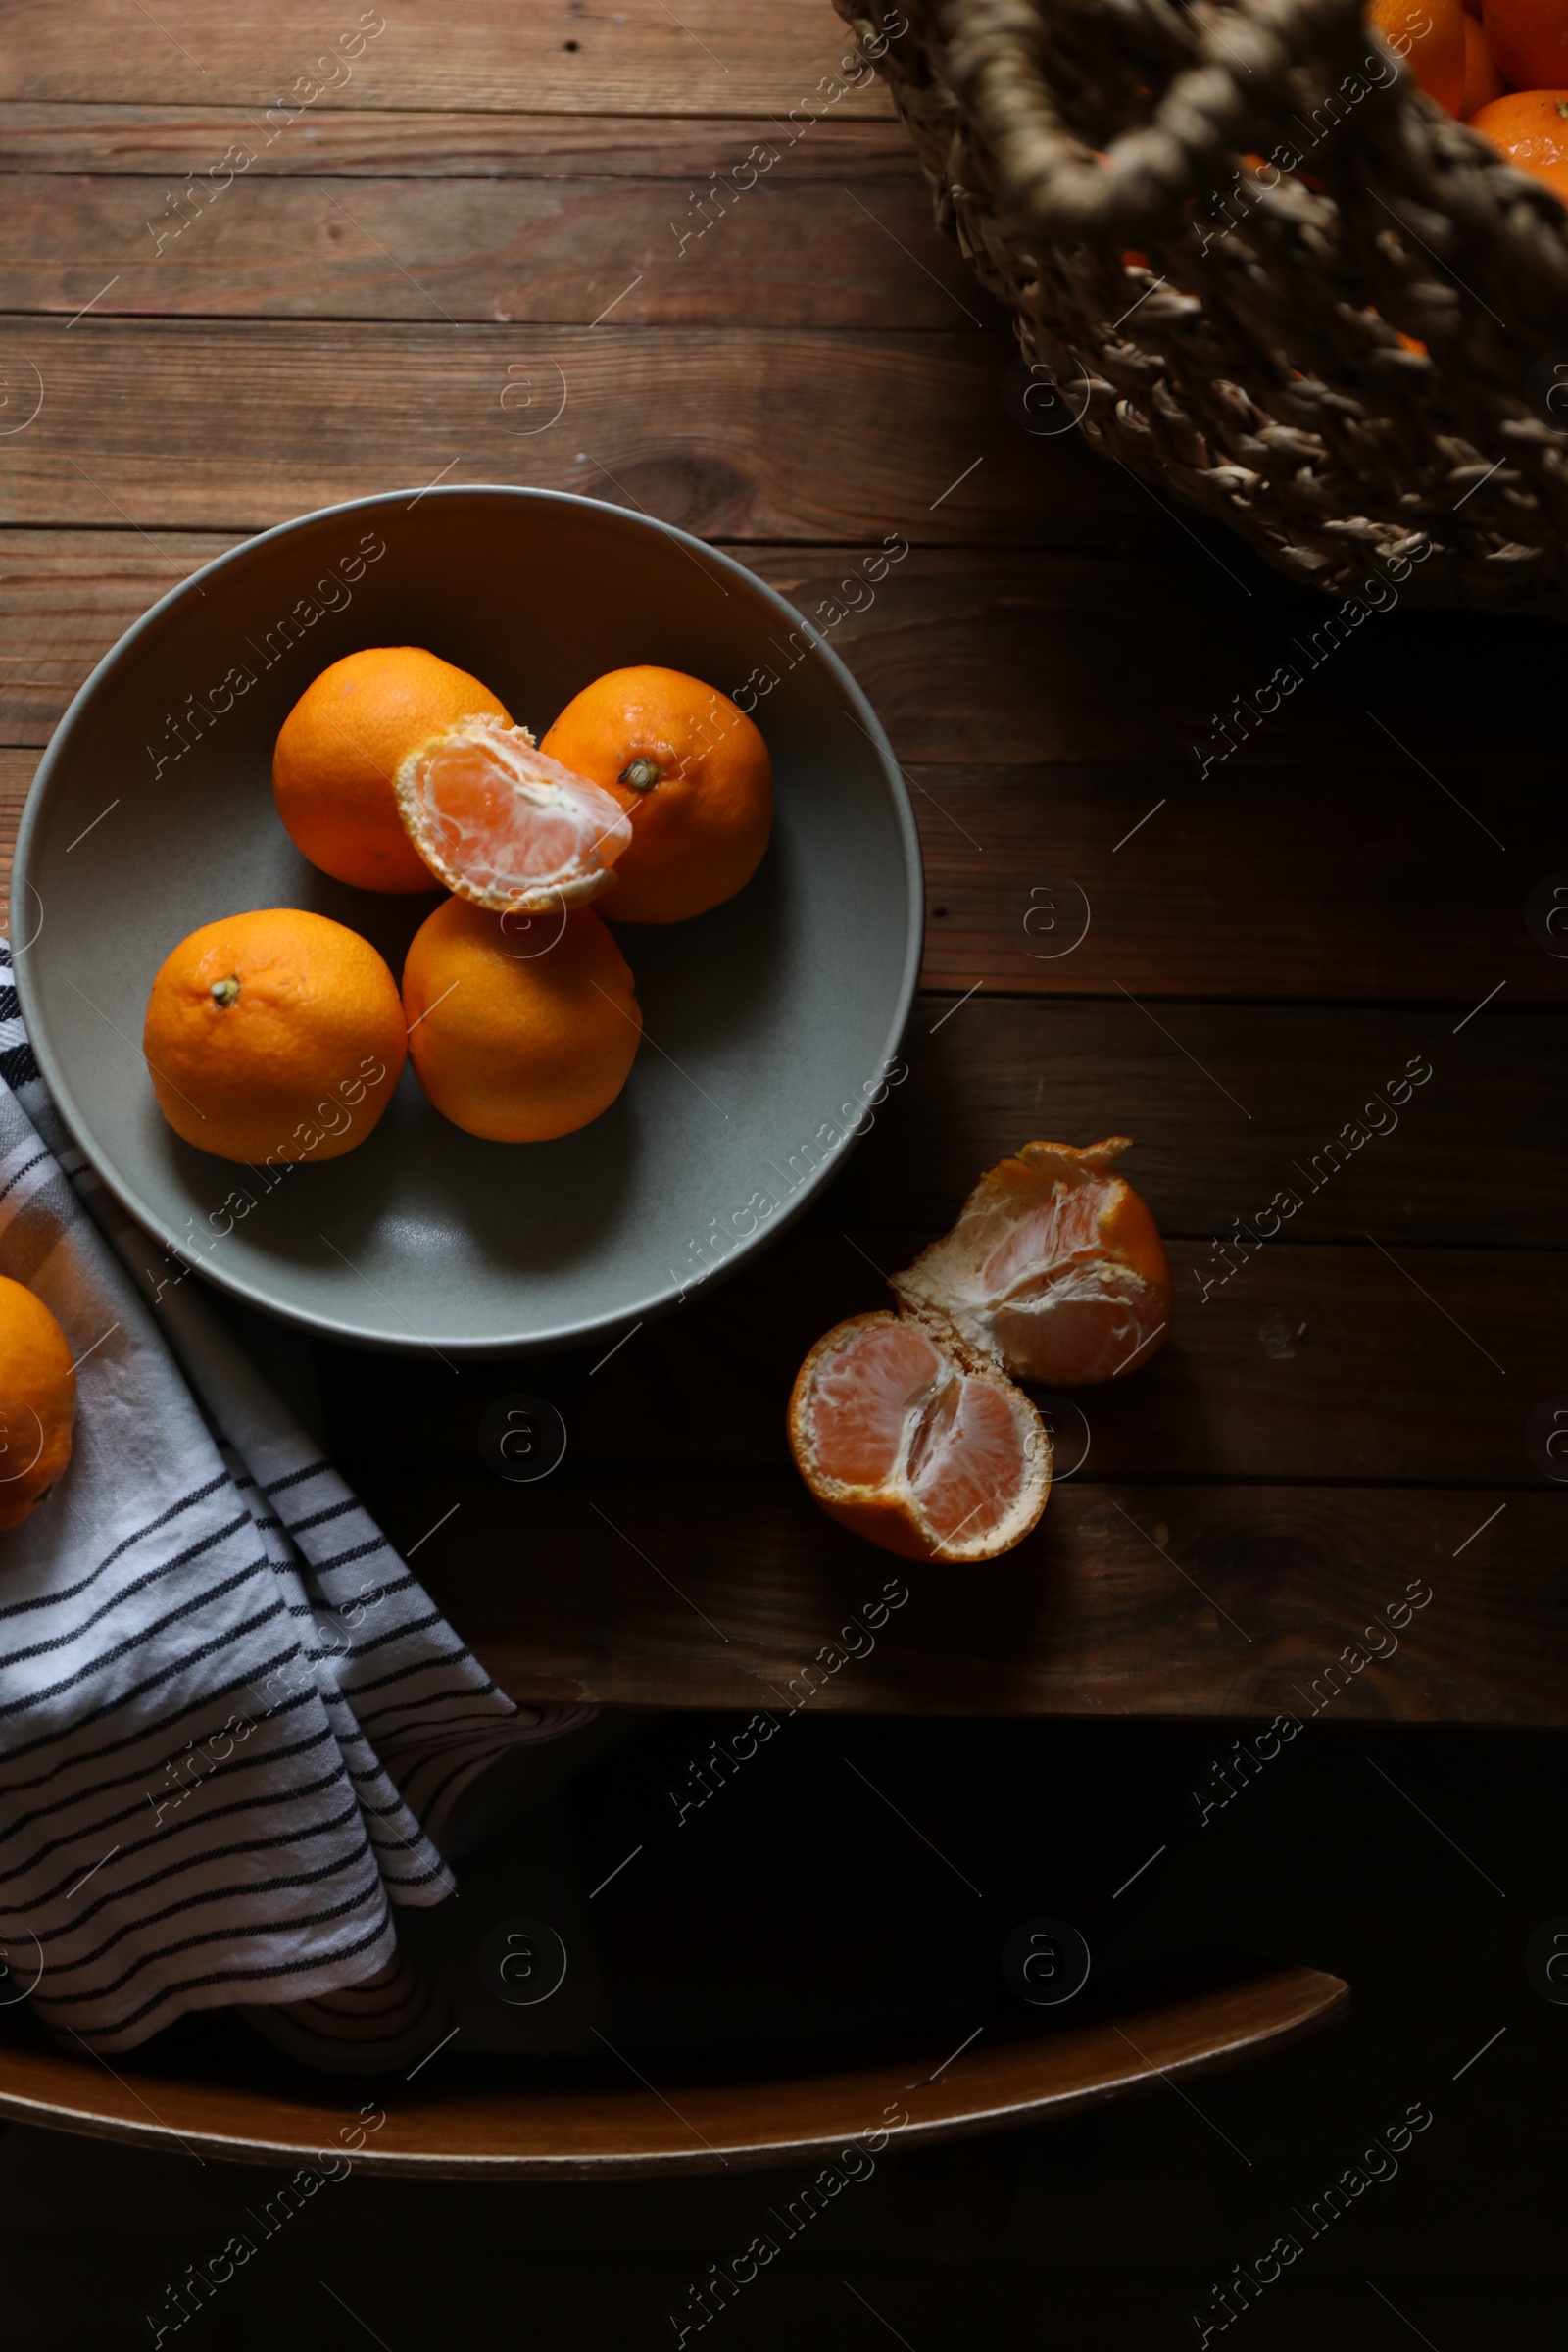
<point>803,1908</point>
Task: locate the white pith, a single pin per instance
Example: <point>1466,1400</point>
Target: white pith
<point>597,828</point>
<point>898,1485</point>
<point>1071,1270</point>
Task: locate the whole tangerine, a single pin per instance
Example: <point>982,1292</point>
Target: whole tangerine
<point>37,1402</point>
<point>273,1037</point>
<point>1429,35</point>
<point>520,1027</point>
<point>335,766</point>
<point>1483,84</point>
<point>1529,39</point>
<point>692,772</point>
<point>1529,128</point>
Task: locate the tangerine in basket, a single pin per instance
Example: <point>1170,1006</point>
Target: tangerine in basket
<point>922,1448</point>
<point>502,823</point>
<point>1481,80</point>
<point>1054,1268</point>
<point>694,776</point>
<point>1529,38</point>
<point>1429,35</point>
<point>520,1027</point>
<point>1530,128</point>
<point>37,1402</point>
<point>337,756</point>
<point>275,1037</point>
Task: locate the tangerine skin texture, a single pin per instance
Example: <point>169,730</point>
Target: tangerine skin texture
<point>1434,56</point>
<point>514,1045</point>
<point>1531,129</point>
<point>699,831</point>
<point>1483,84</point>
<point>37,1402</point>
<point>1529,40</point>
<point>335,764</point>
<point>304,1059</point>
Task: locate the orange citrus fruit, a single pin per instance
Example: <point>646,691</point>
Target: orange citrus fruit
<point>1055,1269</point>
<point>520,1030</point>
<point>693,774</point>
<point>1529,38</point>
<point>922,1448</point>
<point>338,754</point>
<point>1481,80</point>
<point>506,825</point>
<point>275,1037</point>
<point>1429,35</point>
<point>1530,128</point>
<point>37,1402</point>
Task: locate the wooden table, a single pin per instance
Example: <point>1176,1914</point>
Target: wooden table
<point>492,200</point>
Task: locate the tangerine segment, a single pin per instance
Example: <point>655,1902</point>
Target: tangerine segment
<point>693,773</point>
<point>37,1402</point>
<point>335,766</point>
<point>913,1445</point>
<point>511,1040</point>
<point>862,1398</point>
<point>1054,1268</point>
<point>273,1037</point>
<point>506,825</point>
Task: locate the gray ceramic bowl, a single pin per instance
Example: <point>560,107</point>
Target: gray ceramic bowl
<point>767,1023</point>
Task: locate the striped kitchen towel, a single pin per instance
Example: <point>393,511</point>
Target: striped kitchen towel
<point>232,1722</point>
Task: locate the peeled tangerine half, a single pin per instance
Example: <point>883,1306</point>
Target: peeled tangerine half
<point>1056,1268</point>
<point>907,1427</point>
<point>504,825</point>
<point>926,1450</point>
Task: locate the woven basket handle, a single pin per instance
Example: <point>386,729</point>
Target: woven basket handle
<point>1234,75</point>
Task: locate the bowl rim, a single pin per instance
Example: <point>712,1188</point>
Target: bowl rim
<point>326,1326</point>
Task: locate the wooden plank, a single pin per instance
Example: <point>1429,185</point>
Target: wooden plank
<point>1230,1105</point>
<point>1208,902</point>
<point>1210,888</point>
<point>1227,1601</point>
<point>1123,650</point>
<point>1243,885</point>
<point>168,142</point>
<point>786,253</point>
<point>1017,657</point>
<point>15,774</point>
<point>548,57</point>
<point>65,598</point>
<point>734,434</point>
<point>1266,1379</point>
<point>967,654</point>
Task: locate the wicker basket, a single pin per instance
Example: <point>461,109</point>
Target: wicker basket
<point>1351,346</point>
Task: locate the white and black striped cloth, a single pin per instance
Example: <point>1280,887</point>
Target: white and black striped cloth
<point>232,1722</point>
